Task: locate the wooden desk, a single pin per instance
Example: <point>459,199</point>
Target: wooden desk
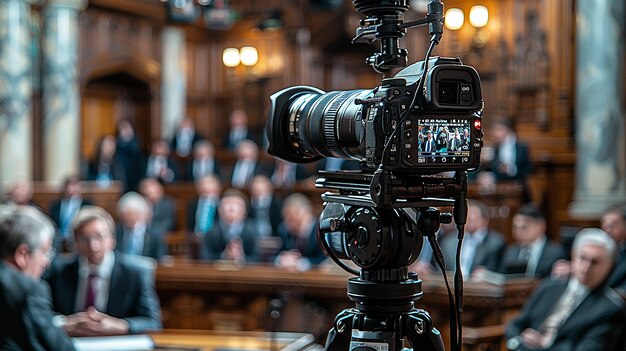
<point>223,340</point>
<point>209,296</point>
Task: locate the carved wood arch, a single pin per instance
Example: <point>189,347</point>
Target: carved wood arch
<point>106,92</point>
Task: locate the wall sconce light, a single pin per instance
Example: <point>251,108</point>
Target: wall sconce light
<point>249,56</point>
<point>454,18</point>
<point>231,57</point>
<point>479,16</point>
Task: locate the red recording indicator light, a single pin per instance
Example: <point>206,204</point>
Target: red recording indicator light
<point>478,124</point>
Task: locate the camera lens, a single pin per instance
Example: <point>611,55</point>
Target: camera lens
<point>306,124</point>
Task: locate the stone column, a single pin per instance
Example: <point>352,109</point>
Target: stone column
<point>600,139</point>
<point>16,91</point>
<point>61,99</point>
<point>174,80</point>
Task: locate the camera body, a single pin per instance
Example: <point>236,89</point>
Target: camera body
<point>437,131</point>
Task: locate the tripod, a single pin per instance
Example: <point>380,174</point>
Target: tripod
<point>384,315</point>
<point>383,242</point>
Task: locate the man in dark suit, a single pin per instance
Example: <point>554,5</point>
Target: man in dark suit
<point>614,223</point>
<point>25,250</point>
<point>300,250</point>
<point>202,211</point>
<point>239,130</point>
<point>532,253</point>
<point>63,210</point>
<point>580,313</point>
<point>102,292</point>
<point>233,237</point>
<point>159,164</point>
<point>511,158</point>
<point>482,247</point>
<point>163,219</point>
<point>133,234</point>
<point>203,162</point>
<point>185,138</point>
<point>247,165</point>
<point>265,206</point>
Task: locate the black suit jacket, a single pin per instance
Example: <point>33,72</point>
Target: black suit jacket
<point>153,243</point>
<point>617,278</point>
<point>488,253</point>
<point>275,213</point>
<point>189,175</point>
<point>312,250</point>
<point>26,317</point>
<point>594,325</point>
<point>55,215</point>
<point>132,294</point>
<point>163,215</point>
<point>214,242</point>
<point>522,163</point>
<point>551,253</point>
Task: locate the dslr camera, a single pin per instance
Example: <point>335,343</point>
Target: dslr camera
<point>415,137</point>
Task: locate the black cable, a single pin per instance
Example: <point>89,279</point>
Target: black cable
<point>439,259</point>
<point>330,253</point>
<point>458,285</point>
<point>405,114</point>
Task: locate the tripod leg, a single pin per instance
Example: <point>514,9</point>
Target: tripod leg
<point>340,334</point>
<point>421,333</point>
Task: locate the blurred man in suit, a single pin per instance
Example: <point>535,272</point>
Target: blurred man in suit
<point>265,207</point>
<point>580,313</point>
<point>511,157</point>
<point>159,164</point>
<point>163,219</point>
<point>133,233</point>
<point>238,131</point>
<point>233,237</point>
<point>614,223</point>
<point>482,247</point>
<point>300,250</point>
<point>247,164</point>
<point>203,162</point>
<point>202,211</point>
<point>532,253</point>
<point>63,211</point>
<point>185,138</point>
<point>99,291</point>
<point>25,251</point>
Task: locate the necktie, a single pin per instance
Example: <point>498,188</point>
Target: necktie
<point>205,217</point>
<point>561,312</point>
<point>90,296</point>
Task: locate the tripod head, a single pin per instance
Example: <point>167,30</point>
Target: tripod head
<point>383,242</point>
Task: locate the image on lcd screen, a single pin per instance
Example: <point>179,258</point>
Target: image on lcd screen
<point>444,140</point>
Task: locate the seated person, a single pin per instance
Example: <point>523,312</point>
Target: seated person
<point>63,210</point>
<point>159,164</point>
<point>239,131</point>
<point>265,206</point>
<point>482,246</point>
<point>25,250</point>
<point>100,291</point>
<point>133,233</point>
<point>532,254</point>
<point>580,313</point>
<point>614,223</point>
<point>163,219</point>
<point>247,165</point>
<point>300,249</point>
<point>203,162</point>
<point>233,237</point>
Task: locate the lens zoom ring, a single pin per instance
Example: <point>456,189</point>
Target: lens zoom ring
<point>330,120</point>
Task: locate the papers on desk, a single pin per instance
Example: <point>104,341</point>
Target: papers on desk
<point>114,343</point>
